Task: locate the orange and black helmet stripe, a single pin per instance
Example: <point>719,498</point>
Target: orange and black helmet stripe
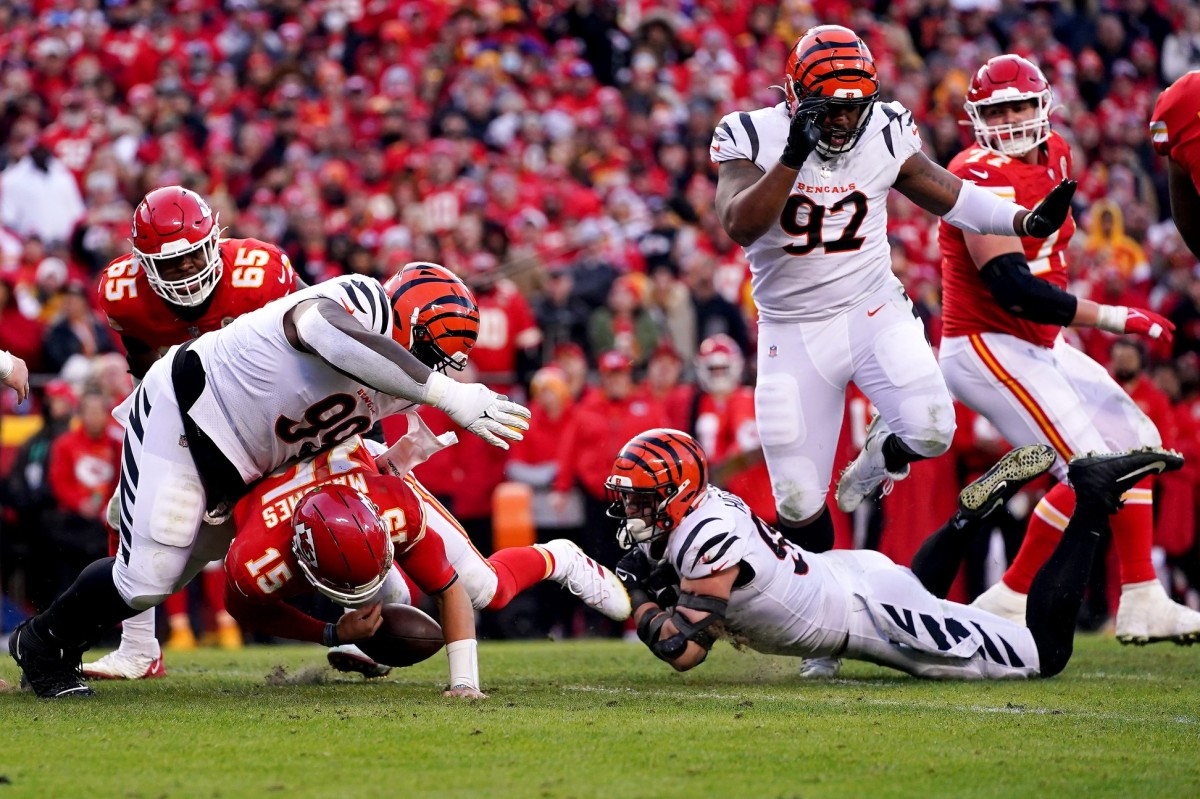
<point>666,447</point>
<point>831,57</point>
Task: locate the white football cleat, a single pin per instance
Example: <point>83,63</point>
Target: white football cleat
<point>820,668</point>
<point>1146,614</point>
<point>121,665</point>
<point>866,472</point>
<point>595,584</point>
<point>1002,601</point>
<point>350,659</point>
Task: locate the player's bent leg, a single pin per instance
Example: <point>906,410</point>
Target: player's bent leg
<point>476,574</point>
<point>868,471</point>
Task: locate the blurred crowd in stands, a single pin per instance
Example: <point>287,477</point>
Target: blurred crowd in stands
<point>554,153</point>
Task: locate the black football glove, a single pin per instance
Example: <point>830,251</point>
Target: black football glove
<point>633,570</point>
<point>663,584</point>
<point>804,132</point>
<point>1050,214</point>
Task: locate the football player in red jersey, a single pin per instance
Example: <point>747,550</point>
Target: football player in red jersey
<point>289,533</point>
<point>181,279</point>
<point>1175,133</point>
<point>1003,355</point>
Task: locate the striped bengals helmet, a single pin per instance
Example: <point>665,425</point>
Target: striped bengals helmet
<point>832,61</point>
<point>659,477</point>
<point>435,315</point>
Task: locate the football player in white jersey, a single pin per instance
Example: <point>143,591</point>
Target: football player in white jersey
<point>803,187</point>
<point>741,578</point>
<point>215,415</point>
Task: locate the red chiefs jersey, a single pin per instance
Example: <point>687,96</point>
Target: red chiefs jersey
<point>261,567</point>
<point>254,273</point>
<point>727,428</point>
<point>506,324</point>
<point>968,305</point>
<point>1175,124</point>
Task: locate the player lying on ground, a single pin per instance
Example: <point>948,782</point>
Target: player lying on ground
<point>261,564</point>
<point>216,415</point>
<point>742,578</point>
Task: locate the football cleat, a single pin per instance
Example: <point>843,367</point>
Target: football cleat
<point>350,659</point>
<point>1002,601</point>
<point>1103,478</point>
<point>596,585</point>
<point>121,665</point>
<point>53,673</point>
<point>820,668</point>
<point>1001,483</point>
<point>1146,615</point>
<point>868,471</point>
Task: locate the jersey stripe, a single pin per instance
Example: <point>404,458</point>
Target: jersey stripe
<point>1023,396</point>
<point>752,132</point>
<point>688,542</point>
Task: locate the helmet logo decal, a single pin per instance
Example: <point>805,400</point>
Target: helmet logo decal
<point>305,548</point>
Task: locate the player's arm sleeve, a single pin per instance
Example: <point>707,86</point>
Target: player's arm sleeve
<point>327,330</point>
<point>272,617</point>
<point>1021,293</point>
<point>425,562</point>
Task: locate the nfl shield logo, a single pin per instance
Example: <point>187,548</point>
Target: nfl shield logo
<point>773,352</point>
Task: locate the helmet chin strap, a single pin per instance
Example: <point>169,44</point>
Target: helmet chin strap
<point>632,532</point>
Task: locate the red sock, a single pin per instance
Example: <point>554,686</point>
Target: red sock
<point>518,568</point>
<point>1133,534</point>
<point>177,603</point>
<point>1045,528</point>
<point>214,589</point>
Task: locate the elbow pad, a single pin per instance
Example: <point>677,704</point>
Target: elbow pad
<point>979,211</point>
<point>1023,295</point>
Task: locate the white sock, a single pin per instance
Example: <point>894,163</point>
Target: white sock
<point>137,635</point>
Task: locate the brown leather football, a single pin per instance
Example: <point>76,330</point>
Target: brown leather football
<point>407,636</point>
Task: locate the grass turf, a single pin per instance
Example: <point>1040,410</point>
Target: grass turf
<point>605,719</point>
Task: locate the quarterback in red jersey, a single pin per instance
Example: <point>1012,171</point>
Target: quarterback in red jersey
<point>181,280</point>
<point>1003,355</point>
<point>1175,133</point>
<point>292,523</point>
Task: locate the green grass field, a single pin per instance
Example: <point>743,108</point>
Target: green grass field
<point>605,719</point>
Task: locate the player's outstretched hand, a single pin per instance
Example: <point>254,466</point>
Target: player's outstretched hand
<point>360,623</point>
<point>465,692</point>
<point>480,410</point>
<point>804,132</point>
<point>1148,323</point>
<point>1050,214</point>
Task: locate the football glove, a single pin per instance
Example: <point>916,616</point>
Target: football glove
<point>1050,214</point>
<point>1120,319</point>
<point>804,132</point>
<point>479,409</point>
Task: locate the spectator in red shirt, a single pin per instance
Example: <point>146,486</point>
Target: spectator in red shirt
<point>83,467</point>
<point>600,426</point>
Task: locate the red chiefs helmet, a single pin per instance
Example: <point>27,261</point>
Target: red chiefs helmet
<point>169,223</point>
<point>1008,79</point>
<point>719,364</point>
<point>659,478</point>
<point>832,61</point>
<point>435,315</point>
<point>341,544</point>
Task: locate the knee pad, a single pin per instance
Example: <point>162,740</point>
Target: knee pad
<point>929,425</point>
<point>777,409</point>
<point>478,580</point>
<point>799,492</point>
<point>176,513</point>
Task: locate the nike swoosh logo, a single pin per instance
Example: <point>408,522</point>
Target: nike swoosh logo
<point>980,175</point>
<point>349,310</point>
<point>716,148</point>
<point>877,310</point>
<point>1003,484</point>
<point>1157,468</point>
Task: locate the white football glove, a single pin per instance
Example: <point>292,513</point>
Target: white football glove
<point>479,409</point>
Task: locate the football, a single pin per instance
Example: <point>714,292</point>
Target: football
<point>407,636</point>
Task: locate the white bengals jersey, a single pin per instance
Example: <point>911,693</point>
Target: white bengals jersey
<point>829,249</point>
<point>265,402</point>
<point>785,600</point>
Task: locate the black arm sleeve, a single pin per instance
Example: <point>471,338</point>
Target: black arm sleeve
<point>1021,294</point>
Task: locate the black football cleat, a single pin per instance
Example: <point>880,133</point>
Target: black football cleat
<point>1001,483</point>
<point>1104,478</point>
<point>53,673</point>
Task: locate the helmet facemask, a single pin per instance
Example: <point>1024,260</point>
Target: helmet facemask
<point>1012,139</point>
<point>643,512</point>
<point>191,290</point>
<point>425,349</point>
<point>845,138</point>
